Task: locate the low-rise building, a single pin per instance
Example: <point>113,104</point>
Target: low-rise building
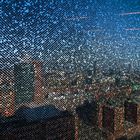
<point>41,123</point>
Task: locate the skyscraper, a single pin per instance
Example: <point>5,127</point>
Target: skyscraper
<point>38,80</point>
<point>7,99</point>
<point>24,82</point>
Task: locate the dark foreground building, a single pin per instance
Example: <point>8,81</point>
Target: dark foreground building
<point>42,123</point>
<point>131,112</point>
<point>88,113</point>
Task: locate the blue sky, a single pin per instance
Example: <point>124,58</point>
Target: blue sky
<point>96,29</point>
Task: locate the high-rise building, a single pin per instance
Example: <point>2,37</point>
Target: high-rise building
<point>113,119</point>
<point>24,82</point>
<point>7,100</point>
<point>132,109</point>
<point>108,118</point>
<point>38,81</point>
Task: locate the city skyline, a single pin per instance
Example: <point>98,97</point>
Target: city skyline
<point>69,69</point>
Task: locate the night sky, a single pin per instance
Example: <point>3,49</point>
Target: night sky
<point>70,33</point>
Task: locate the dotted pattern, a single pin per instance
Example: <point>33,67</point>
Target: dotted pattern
<point>69,38</point>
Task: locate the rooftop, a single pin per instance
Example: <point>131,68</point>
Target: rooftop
<point>38,113</point>
<point>25,116</point>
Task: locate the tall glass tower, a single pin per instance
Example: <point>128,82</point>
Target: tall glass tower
<point>24,82</point>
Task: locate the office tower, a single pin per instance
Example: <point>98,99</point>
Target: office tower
<point>113,119</point>
<point>38,81</point>
<point>7,100</point>
<point>132,109</point>
<point>24,82</point>
<point>108,118</point>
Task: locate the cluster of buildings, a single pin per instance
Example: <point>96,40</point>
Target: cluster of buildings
<point>116,118</point>
<point>111,110</point>
<point>27,83</point>
<point>41,123</point>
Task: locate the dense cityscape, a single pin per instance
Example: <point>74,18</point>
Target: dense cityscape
<point>97,105</point>
<point>69,70</point>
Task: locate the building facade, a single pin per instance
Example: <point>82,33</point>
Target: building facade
<point>130,112</point>
<point>24,82</point>
<point>58,125</point>
<point>38,81</point>
<point>113,119</point>
<point>7,100</point>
